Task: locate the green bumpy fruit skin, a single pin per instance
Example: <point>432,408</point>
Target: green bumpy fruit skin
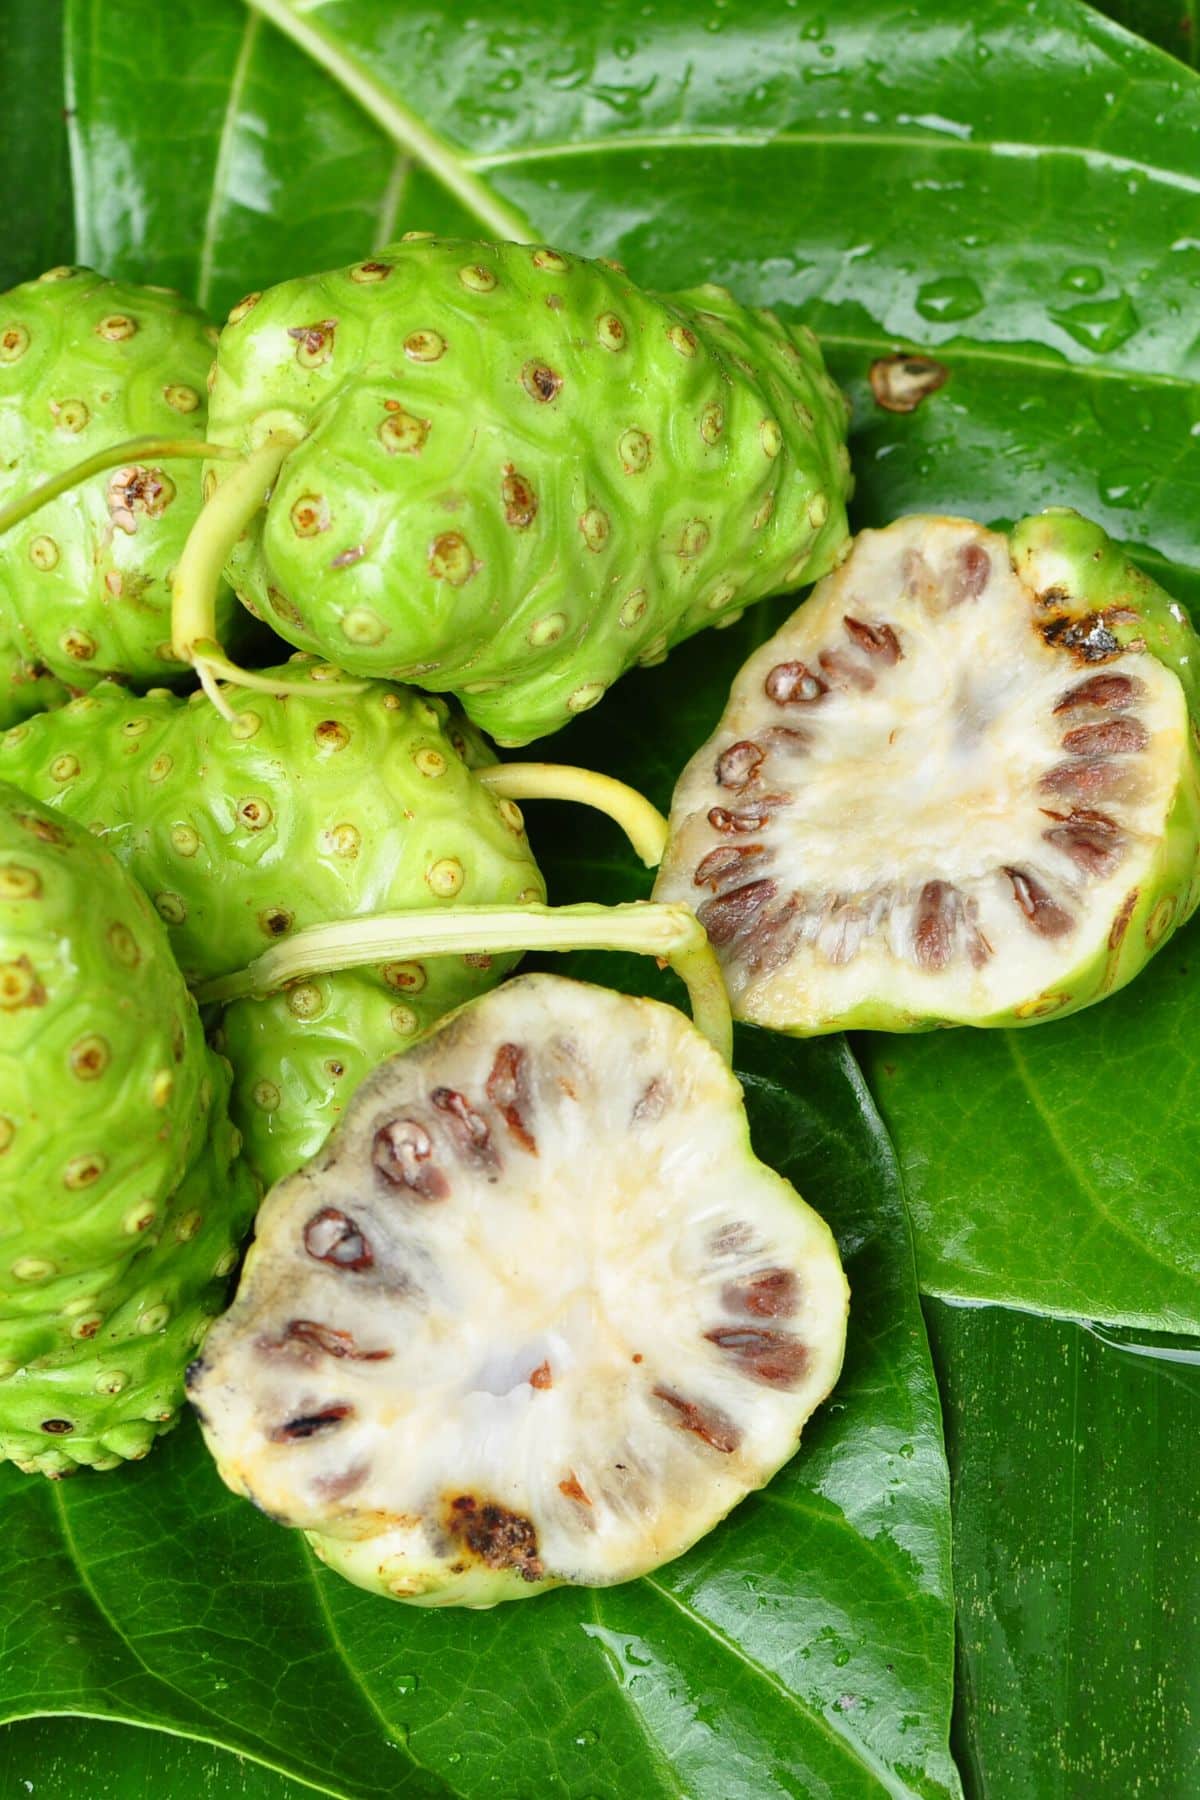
<point>25,687</point>
<point>521,473</point>
<point>118,1187</point>
<point>305,809</point>
<point>84,364</point>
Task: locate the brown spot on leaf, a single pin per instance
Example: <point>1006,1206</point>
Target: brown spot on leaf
<point>900,382</point>
<point>334,1237</point>
<point>775,1358</point>
<point>708,1423</point>
<point>499,1538</point>
<point>508,1091</point>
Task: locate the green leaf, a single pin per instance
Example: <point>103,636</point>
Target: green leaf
<point>33,141</point>
<point>1076,1521</point>
<point>59,1758</point>
<point>1172,24</point>
<point>805,1646</point>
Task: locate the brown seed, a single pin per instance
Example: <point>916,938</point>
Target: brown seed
<point>974,573</point>
<point>508,1091</point>
<point>728,915</point>
<point>520,500</point>
<point>776,1358</point>
<point>1085,780</point>
<point>876,640</point>
<point>738,765</point>
<point>1112,693</point>
<point>402,1153</point>
<point>934,924</point>
<point>792,683</point>
<point>471,1133</point>
<point>708,1423</point>
<point>765,1294</point>
<point>541,1377</point>
<point>498,1537</point>
<point>724,864</point>
<point>1092,840</point>
<point>307,1425</point>
<point>573,1491</point>
<point>1045,916</point>
<point>334,1237</point>
<point>540,381</point>
<point>1110,737</point>
<point>900,383</point>
<point>326,1338</point>
<point>844,672</point>
<point>750,818</point>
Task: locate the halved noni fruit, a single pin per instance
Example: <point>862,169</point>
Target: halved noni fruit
<point>536,1314</point>
<point>961,785</point>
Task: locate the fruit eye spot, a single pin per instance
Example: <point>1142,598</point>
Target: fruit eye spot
<point>451,559</point>
<point>57,1427</point>
<point>401,432</point>
<point>611,331</point>
<point>314,343</point>
<point>17,883</point>
<point>634,451</point>
<point>310,515</point>
<point>275,921</point>
<point>63,768</point>
<point>540,381</point>
<point>70,415</point>
<point>14,342</point>
<point>424,346</point>
<point>245,305</point>
<point>407,977</point>
<point>367,272</point>
<point>180,398</point>
<point>82,1171</point>
<point>43,553</point>
<point>116,328</point>
<point>78,645</point>
<point>594,525</point>
<point>712,422</point>
<point>477,278</point>
<point>550,261</point>
<point>682,340</point>
<point>520,500</point>
<point>19,986</point>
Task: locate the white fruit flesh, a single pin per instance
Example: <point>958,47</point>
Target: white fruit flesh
<point>924,798</point>
<point>535,1315</point>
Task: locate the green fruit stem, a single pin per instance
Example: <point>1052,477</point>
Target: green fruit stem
<point>197,580</point>
<point>132,450</point>
<point>672,934</point>
<point>642,823</point>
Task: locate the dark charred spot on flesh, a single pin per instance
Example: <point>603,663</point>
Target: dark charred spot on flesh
<point>876,640</point>
<point>1092,840</point>
<point>472,1137</point>
<point>764,1294</point>
<point>1045,916</point>
<point>708,1423</point>
<point>334,1237</point>
<point>652,1102</point>
<point>775,1358</point>
<point>508,1091</point>
<point>542,1377</point>
<point>934,924</point>
<point>843,671</point>
<point>1089,779</point>
<point>1110,737</point>
<point>499,1538</point>
<point>793,684</point>
<point>900,382</point>
<point>1120,924</point>
<point>1088,638</point>
<point>311,1335</point>
<point>738,765</point>
<point>747,818</point>
<point>727,915</point>
<point>572,1489</point>
<point>58,1427</point>
<point>402,1152</point>
<point>540,381</point>
<point>728,862</point>
<point>1111,693</point>
<point>306,1425</point>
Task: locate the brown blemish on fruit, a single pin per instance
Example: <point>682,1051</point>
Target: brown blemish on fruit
<point>306,1425</point>
<point>739,764</point>
<point>1088,639</point>
<point>900,382</point>
<point>520,500</point>
<point>402,433</point>
<point>844,672</point>
<point>1110,737</point>
<point>314,343</point>
<point>572,1489</point>
<point>331,1236</point>
<point>1045,916</point>
<point>57,1427</point>
<point>1160,920</point>
<point>934,924</point>
<point>1120,924</point>
<point>20,986</point>
<point>541,1377</point>
<point>508,1091</point>
<point>402,1152</point>
<point>774,1358</point>
<point>764,1294</point>
<point>724,863</point>
<point>876,640</point>
<point>750,818</point>
<point>540,381</point>
<point>1111,693</point>
<point>708,1423</point>
<point>728,915</point>
<point>652,1102</point>
<point>331,734</point>
<point>793,683</point>
<point>135,490</point>
<point>275,921</point>
<point>471,1134</point>
<point>499,1538</point>
<point>311,1335</point>
<point>452,559</point>
<point>346,558</point>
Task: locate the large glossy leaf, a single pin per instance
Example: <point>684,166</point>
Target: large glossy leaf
<point>1076,1531</point>
<point>65,1758</point>
<point>33,141</point>
<point>805,1647</point>
<point>1174,24</point>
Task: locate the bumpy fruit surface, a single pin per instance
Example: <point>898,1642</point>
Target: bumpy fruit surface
<point>519,473</point>
<point>535,1315</point>
<point>84,364</point>
<point>305,809</point>
<point>960,786</point>
<point>25,687</point>
<point>118,1193</point>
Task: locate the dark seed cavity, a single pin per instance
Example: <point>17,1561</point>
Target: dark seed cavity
<point>748,818</point>
<point>792,683</point>
<point>1110,737</point>
<point>1046,917</point>
<point>472,1137</point>
<point>844,672</point>
<point>775,1358</point>
<point>508,1091</point>
<point>498,1537</point>
<point>876,640</point>
<point>1092,840</point>
<point>402,1153</point>
<point>725,864</point>
<point>764,1294</point>
<point>935,924</point>
<point>328,1339</point>
<point>1094,779</point>
<point>652,1103</point>
<point>973,574</point>
<point>1112,693</point>
<point>708,1423</point>
<point>294,1431</point>
<point>737,766</point>
<point>334,1237</point>
<point>728,915</point>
